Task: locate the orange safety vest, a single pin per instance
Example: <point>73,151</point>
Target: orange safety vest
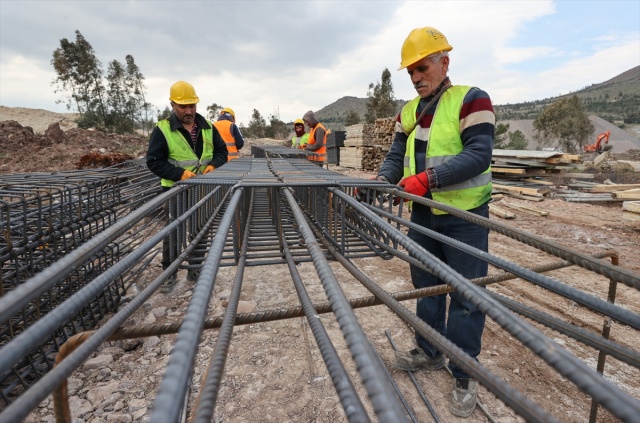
<point>224,127</point>
<point>320,154</point>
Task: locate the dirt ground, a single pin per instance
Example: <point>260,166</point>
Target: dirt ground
<point>274,371</point>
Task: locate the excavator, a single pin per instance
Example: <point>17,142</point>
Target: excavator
<point>598,146</point>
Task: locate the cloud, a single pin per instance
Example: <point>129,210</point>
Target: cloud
<point>289,57</point>
<point>38,95</point>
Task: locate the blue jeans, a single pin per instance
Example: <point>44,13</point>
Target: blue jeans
<point>465,323</point>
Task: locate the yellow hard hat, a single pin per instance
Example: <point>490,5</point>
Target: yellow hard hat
<point>183,93</point>
<point>421,43</point>
<point>298,122</point>
<point>228,110</point>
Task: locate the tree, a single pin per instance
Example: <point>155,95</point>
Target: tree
<point>257,125</point>
<point>507,140</point>
<point>115,102</point>
<point>213,110</point>
<point>80,73</point>
<point>138,106</point>
<point>500,137</point>
<point>164,114</point>
<point>276,128</point>
<point>381,102</point>
<point>117,99</point>
<point>352,118</point>
<point>517,141</point>
<point>564,123</point>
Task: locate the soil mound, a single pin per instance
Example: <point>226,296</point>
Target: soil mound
<point>23,150</point>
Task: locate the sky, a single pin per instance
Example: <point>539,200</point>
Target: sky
<point>283,58</point>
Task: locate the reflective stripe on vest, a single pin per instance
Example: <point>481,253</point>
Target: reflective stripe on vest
<point>444,143</point>
<point>224,127</point>
<point>320,154</point>
<point>180,152</point>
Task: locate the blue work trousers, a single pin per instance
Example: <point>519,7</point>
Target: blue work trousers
<point>465,322</point>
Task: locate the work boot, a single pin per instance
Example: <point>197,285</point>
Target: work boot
<point>168,285</point>
<point>417,359</point>
<point>463,398</point>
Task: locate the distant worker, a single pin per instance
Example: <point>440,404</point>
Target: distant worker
<point>182,146</point>
<point>317,138</point>
<point>301,138</point>
<point>230,132</point>
<point>442,151</point>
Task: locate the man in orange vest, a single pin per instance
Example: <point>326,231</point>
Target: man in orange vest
<point>230,133</point>
<point>317,138</point>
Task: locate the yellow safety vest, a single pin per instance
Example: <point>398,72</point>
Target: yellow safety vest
<point>180,152</point>
<point>444,143</point>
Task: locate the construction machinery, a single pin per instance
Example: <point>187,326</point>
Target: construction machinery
<point>598,146</point>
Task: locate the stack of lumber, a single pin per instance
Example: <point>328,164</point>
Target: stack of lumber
<point>356,137</point>
<point>383,132</point>
<point>377,146</point>
<point>590,192</point>
<point>520,208</point>
<point>530,189</point>
<point>518,164</point>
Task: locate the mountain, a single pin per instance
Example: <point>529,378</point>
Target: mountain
<point>333,115</point>
<point>616,100</point>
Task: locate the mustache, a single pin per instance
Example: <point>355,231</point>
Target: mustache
<point>419,85</point>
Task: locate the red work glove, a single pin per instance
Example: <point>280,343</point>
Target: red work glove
<point>416,184</point>
<point>209,168</point>
<point>187,174</point>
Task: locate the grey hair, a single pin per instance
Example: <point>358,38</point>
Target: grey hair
<point>435,57</point>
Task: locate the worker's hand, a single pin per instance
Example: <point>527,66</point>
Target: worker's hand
<point>187,174</point>
<point>416,184</point>
<point>366,195</point>
<point>209,168</point>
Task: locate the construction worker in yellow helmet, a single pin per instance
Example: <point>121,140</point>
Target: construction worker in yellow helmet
<point>230,132</point>
<point>182,146</point>
<point>442,151</point>
<point>300,138</point>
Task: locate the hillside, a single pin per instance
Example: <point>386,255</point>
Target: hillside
<point>616,100</point>
<point>334,114</point>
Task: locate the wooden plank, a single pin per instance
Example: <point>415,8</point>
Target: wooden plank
<point>527,209</point>
<point>632,194</point>
<point>510,170</point>
<point>527,197</point>
<point>538,181</point>
<point>533,154</point>
<point>535,192</point>
<point>612,188</point>
<point>501,212</point>
<point>631,206</point>
<point>576,175</point>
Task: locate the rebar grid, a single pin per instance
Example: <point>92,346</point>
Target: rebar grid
<point>44,217</point>
<point>282,200</point>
